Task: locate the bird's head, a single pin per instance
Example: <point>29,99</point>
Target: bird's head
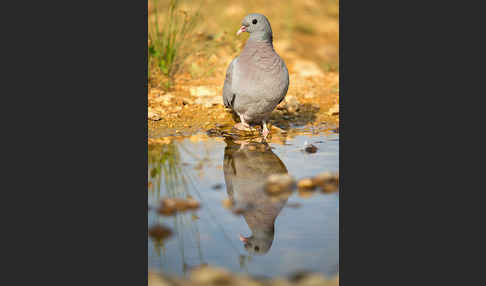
<point>257,245</point>
<point>257,25</point>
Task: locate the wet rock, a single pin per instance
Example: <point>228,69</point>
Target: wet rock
<point>309,148</point>
<point>306,184</point>
<point>327,182</point>
<point>279,183</point>
<point>159,232</point>
<point>173,205</point>
<point>211,276</point>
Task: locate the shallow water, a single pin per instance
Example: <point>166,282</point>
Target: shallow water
<point>282,236</point>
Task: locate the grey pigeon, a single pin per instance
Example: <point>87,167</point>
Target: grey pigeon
<point>246,168</point>
<point>257,80</point>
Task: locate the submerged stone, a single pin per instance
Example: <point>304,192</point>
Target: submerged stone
<point>279,183</point>
<point>159,232</point>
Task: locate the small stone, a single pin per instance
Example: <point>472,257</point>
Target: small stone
<point>327,182</point>
<point>310,148</point>
<point>173,205</point>
<point>306,184</point>
<point>279,183</point>
<point>159,232</point>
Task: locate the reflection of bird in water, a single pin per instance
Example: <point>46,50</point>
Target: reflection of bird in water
<point>246,167</point>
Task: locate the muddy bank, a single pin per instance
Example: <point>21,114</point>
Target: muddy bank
<point>190,108</point>
<point>204,276</point>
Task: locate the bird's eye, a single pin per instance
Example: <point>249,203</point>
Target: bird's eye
<point>254,21</point>
<point>257,248</point>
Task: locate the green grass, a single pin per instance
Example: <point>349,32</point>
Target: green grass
<point>168,39</point>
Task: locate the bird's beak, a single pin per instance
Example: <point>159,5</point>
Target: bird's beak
<point>243,239</point>
<point>241,30</point>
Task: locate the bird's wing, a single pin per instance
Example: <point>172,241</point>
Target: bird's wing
<point>228,94</point>
<point>286,80</point>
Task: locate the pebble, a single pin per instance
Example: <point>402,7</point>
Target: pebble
<point>306,184</point>
<point>159,232</point>
<point>173,205</point>
<point>327,182</point>
<point>310,148</point>
<point>279,183</point>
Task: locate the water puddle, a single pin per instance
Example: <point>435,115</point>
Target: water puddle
<point>232,222</point>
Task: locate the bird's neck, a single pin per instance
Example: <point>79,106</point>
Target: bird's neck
<point>258,40</point>
<point>256,49</point>
<point>261,36</point>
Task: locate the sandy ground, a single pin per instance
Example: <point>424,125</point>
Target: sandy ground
<point>305,36</point>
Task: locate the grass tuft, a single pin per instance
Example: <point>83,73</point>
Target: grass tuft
<point>167,40</point>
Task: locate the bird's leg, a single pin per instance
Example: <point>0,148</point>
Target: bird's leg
<point>265,129</point>
<point>243,125</point>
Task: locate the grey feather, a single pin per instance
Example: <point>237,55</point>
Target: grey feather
<point>257,80</point>
<point>228,95</point>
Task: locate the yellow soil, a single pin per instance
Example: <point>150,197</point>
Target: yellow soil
<point>306,36</point>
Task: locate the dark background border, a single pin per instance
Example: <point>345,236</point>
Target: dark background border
<point>75,143</point>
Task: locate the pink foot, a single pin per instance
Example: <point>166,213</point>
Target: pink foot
<point>265,131</point>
